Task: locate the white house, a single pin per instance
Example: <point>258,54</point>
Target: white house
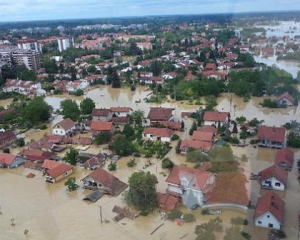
<point>158,134</point>
<point>192,185</point>
<point>274,178</point>
<point>269,211</point>
<point>64,127</point>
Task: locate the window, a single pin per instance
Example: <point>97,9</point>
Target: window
<point>268,216</point>
<point>259,222</point>
<point>270,225</point>
<point>277,184</point>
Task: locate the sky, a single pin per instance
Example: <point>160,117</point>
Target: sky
<point>26,10</point>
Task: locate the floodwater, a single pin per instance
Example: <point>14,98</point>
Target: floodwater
<point>4,103</point>
<point>49,212</point>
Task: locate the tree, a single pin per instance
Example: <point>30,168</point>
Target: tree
<point>20,142</point>
<point>71,156</point>
<point>233,233</point>
<point>167,163</point>
<point>112,166</point>
<point>128,131</point>
<point>71,184</point>
<point>196,156</point>
<point>137,116</point>
<point>86,106</point>
<point>102,138</point>
<point>36,111</point>
<point>193,128</point>
<point>142,192</point>
<point>121,146</point>
<point>70,109</point>
<point>234,130</point>
<point>293,139</point>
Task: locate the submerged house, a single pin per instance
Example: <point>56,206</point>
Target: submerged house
<point>58,173</point>
<point>191,185</point>
<point>215,117</point>
<point>103,180</point>
<point>158,134</point>
<point>269,211</point>
<point>285,158</point>
<point>10,160</point>
<point>64,127</point>
<point>273,178</point>
<point>272,137</point>
<point>286,100</point>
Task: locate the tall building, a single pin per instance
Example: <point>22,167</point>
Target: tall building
<point>29,58</point>
<point>29,44</point>
<point>64,43</point>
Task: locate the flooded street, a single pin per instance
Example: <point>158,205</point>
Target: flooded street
<point>48,211</point>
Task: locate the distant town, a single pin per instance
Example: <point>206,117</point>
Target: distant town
<point>187,125</point>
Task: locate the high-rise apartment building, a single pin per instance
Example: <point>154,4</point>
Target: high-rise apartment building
<point>64,43</point>
<point>29,44</point>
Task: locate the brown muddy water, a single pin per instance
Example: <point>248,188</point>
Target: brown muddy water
<point>48,211</point>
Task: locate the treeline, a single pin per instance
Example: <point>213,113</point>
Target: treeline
<point>290,56</point>
<point>268,80</point>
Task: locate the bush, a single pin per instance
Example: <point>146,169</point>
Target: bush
<point>131,162</point>
<point>132,88</point>
<point>177,148</point>
<point>174,137</point>
<point>20,142</point>
<point>253,141</point>
<point>79,92</point>
<point>246,235</point>
<point>281,234</point>
<point>112,166</point>
<point>6,150</point>
<point>175,214</point>
<point>240,119</point>
<point>189,218</point>
<point>41,126</point>
<point>205,211</point>
<point>167,163</point>
<point>238,221</point>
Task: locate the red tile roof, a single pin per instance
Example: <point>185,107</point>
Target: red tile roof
<point>122,120</point>
<point>172,125</point>
<point>197,145</point>
<point>6,158</point>
<point>7,135</point>
<point>276,172</point>
<point>274,134</point>
<point>197,179</point>
<point>285,155</point>
<point>215,116</point>
<point>114,185</point>
<point>166,201</point>
<point>103,112</point>
<point>270,202</point>
<point>101,126</point>
<point>49,164</point>
<point>120,109</point>
<point>58,170</point>
<point>160,114</point>
<point>211,129</point>
<point>159,132</point>
<point>203,136</point>
<point>66,124</point>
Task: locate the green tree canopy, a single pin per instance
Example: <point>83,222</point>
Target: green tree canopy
<point>71,156</point>
<point>142,192</point>
<point>121,146</point>
<point>137,116</point>
<point>70,109</point>
<point>36,111</point>
<point>86,106</point>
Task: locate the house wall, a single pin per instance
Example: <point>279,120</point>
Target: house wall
<point>121,114</point>
<point>199,197</point>
<point>62,176</point>
<point>61,131</point>
<point>154,138</point>
<point>267,143</point>
<point>209,123</point>
<point>285,101</point>
<point>274,181</point>
<point>266,219</point>
<point>102,118</point>
<point>175,189</point>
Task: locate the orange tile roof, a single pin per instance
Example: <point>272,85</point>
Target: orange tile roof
<point>202,136</point>
<point>166,201</point>
<point>66,124</point>
<point>101,126</point>
<point>274,134</point>
<point>49,164</point>
<point>270,202</point>
<point>120,109</point>
<point>215,116</point>
<point>7,158</point>
<point>159,132</point>
<point>58,170</point>
<point>212,129</point>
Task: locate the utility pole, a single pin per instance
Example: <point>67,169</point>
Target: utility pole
<point>101,214</point>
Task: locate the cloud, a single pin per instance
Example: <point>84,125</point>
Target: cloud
<point>63,9</point>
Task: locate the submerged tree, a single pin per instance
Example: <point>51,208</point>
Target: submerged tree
<point>142,191</point>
